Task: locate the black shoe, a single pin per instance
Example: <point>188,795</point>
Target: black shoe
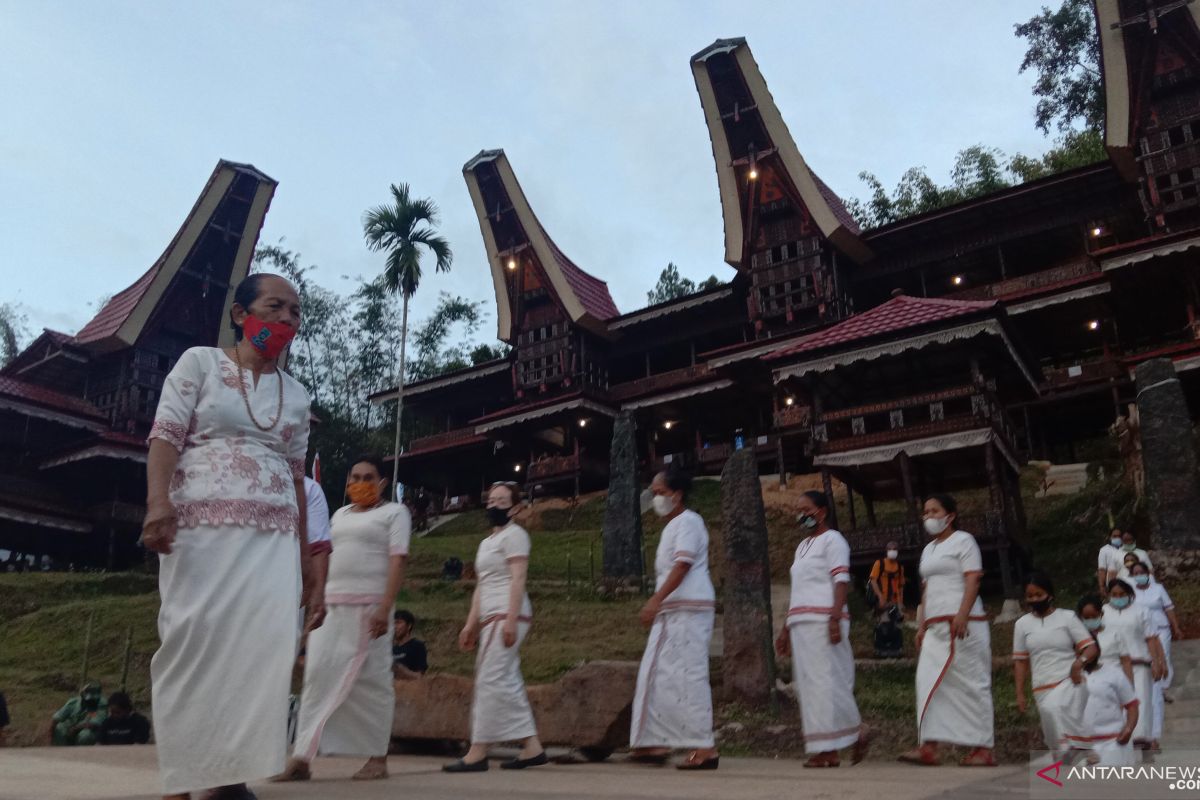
<point>522,763</point>
<point>463,766</point>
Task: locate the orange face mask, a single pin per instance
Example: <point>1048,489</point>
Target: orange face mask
<point>363,493</point>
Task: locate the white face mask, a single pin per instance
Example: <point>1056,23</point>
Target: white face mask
<point>663,504</point>
<point>934,526</point>
<point>893,554</point>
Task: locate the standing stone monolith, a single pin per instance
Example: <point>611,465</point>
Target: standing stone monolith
<point>622,509</point>
<point>1169,455</point>
<point>749,658</point>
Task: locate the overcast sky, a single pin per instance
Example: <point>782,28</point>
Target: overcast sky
<point>115,113</point>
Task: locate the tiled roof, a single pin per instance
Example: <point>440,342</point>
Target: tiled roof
<point>522,407</point>
<point>844,217</point>
<point>898,314</point>
<point>592,292</point>
<point>48,398</point>
<point>58,337</point>
<point>117,310</point>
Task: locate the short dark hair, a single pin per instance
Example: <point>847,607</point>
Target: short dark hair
<point>946,501</point>
<point>1089,600</point>
<point>405,615</point>
<point>244,295</point>
<point>677,479</point>
<point>372,459</point>
<point>1040,580</point>
<point>120,700</point>
<point>1123,584</point>
<point>819,499</point>
<point>1141,564</point>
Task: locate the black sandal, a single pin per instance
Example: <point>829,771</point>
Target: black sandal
<point>690,763</point>
<point>522,763</point>
<point>463,766</point>
<point>657,759</point>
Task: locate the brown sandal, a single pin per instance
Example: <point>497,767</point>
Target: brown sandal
<point>823,760</point>
<point>979,757</point>
<point>923,756</point>
<point>862,746</point>
<point>694,762</point>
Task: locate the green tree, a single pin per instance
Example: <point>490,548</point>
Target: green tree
<point>405,229</point>
<point>1064,52</point>
<point>1074,149</point>
<point>484,353</point>
<point>432,356</point>
<point>670,286</point>
<point>711,282</point>
<point>14,331</point>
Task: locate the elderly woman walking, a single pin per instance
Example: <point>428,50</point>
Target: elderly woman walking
<point>817,635</point>
<point>225,510</point>
<point>672,707</point>
<point>496,625</point>
<point>954,661</point>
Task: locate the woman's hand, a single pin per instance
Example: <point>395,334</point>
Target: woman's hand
<point>1020,702</point>
<point>380,621</point>
<point>1158,669</point>
<point>959,625</point>
<point>159,527</point>
<point>508,633</point>
<point>835,630</point>
<point>649,612</point>
<point>1076,672</point>
<point>783,643</point>
<point>316,611</point>
<point>468,636</point>
<point>1125,736</point>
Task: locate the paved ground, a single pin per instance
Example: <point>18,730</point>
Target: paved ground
<point>131,772</point>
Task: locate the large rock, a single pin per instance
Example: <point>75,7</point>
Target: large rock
<point>622,508</point>
<point>749,659</point>
<point>1169,456</point>
<point>589,707</point>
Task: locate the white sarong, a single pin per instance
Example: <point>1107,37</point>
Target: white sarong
<point>1060,707</point>
<point>349,699</point>
<point>672,706</point>
<point>221,677</point>
<point>954,686</point>
<point>1110,754</point>
<point>500,710</point>
<point>1143,690</point>
<point>823,676</point>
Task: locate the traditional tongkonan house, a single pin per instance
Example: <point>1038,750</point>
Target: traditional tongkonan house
<point>75,410</point>
<point>937,352</point>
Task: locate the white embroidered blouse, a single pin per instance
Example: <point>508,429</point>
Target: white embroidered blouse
<point>230,473</point>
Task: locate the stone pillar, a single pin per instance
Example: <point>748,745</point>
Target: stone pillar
<point>1169,456</point>
<point>622,508</point>
<point>749,657</point>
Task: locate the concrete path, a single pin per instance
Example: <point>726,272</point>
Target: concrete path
<point>131,773</point>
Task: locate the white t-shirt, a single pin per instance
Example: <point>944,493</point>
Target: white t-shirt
<point>1157,602</point>
<point>1109,694</point>
<point>944,567</point>
<point>821,562</point>
<point>318,516</point>
<point>492,568</point>
<point>1050,644</point>
<point>1134,621</point>
<point>1142,556</point>
<point>1113,643</point>
<point>363,544</point>
<point>1109,559</point>
<point>685,541</point>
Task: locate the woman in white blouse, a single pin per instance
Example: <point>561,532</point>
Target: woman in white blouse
<point>1124,614</point>
<point>1152,596</point>
<point>672,706</point>
<point>496,625</point>
<point>1054,645</point>
<point>225,510</point>
<point>954,656</point>
<point>816,634</point>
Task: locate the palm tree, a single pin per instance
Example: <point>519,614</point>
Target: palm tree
<point>404,228</point>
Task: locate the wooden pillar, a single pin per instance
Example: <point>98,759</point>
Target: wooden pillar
<point>779,458</point>
<point>850,507</point>
<point>870,504</point>
<point>997,505</point>
<point>577,466</point>
<point>910,500</point>
<point>827,484</point>
<point>1028,432</point>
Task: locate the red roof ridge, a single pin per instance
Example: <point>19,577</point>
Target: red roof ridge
<point>591,291</point>
<point>40,395</point>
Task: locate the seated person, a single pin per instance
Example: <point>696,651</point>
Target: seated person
<point>123,725</point>
<point>452,569</point>
<point>78,722</point>
<point>409,658</point>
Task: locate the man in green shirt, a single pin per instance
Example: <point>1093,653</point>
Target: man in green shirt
<point>78,722</point>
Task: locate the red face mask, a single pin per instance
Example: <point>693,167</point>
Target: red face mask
<point>269,338</point>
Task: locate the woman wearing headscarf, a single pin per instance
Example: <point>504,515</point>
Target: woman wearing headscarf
<point>225,511</point>
<point>817,636</point>
<point>1054,645</point>
<point>348,700</point>
<point>672,706</point>
<point>497,623</point>
<point>954,661</point>
<point>1123,614</point>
